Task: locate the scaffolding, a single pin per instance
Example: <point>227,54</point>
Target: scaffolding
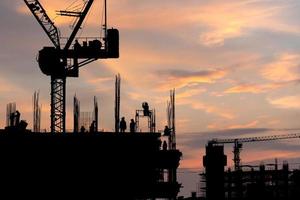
<point>149,114</point>
<point>86,120</point>
<point>171,120</point>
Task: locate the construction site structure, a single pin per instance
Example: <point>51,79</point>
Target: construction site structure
<point>99,165</point>
<point>13,119</point>
<point>61,62</point>
<point>171,120</point>
<point>148,113</point>
<point>243,184</point>
<point>238,144</point>
<point>133,165</point>
<point>37,112</point>
<point>85,121</point>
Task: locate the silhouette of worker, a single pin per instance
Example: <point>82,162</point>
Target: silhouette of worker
<point>18,114</point>
<point>146,108</point>
<point>82,129</point>
<point>132,126</point>
<point>12,119</point>
<point>167,131</point>
<point>165,146</point>
<point>92,127</point>
<point>123,125</point>
<point>77,45</point>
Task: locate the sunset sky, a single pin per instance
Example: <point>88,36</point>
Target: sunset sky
<point>235,66</point>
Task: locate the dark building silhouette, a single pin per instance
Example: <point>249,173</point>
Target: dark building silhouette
<point>248,182</point>
<point>86,165</point>
<point>214,162</point>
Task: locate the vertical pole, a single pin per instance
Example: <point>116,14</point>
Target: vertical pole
<point>76,110</point>
<point>173,119</point>
<point>105,16</point>
<point>105,23</point>
<point>96,113</point>
<point>34,113</point>
<point>117,102</point>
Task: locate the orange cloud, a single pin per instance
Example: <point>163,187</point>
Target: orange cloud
<point>255,88</point>
<point>288,102</point>
<point>226,20</point>
<point>197,105</point>
<point>249,125</point>
<point>284,68</point>
<point>181,78</point>
<point>222,20</point>
<point>190,92</point>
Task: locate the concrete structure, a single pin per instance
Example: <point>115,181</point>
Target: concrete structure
<point>89,165</point>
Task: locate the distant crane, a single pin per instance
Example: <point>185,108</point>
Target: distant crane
<point>238,144</point>
<point>60,63</point>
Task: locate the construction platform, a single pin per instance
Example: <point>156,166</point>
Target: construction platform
<point>110,165</point>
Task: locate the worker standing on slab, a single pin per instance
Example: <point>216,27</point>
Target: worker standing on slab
<point>132,126</point>
<point>123,125</point>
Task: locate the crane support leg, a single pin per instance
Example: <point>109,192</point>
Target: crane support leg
<point>58,105</point>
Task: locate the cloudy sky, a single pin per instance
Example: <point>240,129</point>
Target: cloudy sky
<point>234,64</point>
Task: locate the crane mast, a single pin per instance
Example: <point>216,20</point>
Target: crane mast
<point>238,144</point>
<point>60,63</point>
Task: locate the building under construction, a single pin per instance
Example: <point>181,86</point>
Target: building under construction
<point>269,181</point>
<point>91,164</point>
<point>98,165</point>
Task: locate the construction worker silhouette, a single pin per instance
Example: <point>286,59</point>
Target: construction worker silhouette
<point>132,126</point>
<point>77,45</point>
<point>167,131</point>
<point>146,108</point>
<point>82,129</point>
<point>12,119</point>
<point>123,125</point>
<point>18,114</point>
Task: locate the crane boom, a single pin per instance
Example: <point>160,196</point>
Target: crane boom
<point>43,19</point>
<point>255,139</point>
<point>238,144</point>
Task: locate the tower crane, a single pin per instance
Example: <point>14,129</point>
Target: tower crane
<point>61,62</point>
<point>238,144</point>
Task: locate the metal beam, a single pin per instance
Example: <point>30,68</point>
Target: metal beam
<point>44,20</point>
<point>79,23</point>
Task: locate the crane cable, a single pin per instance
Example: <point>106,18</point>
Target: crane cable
<point>84,23</point>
